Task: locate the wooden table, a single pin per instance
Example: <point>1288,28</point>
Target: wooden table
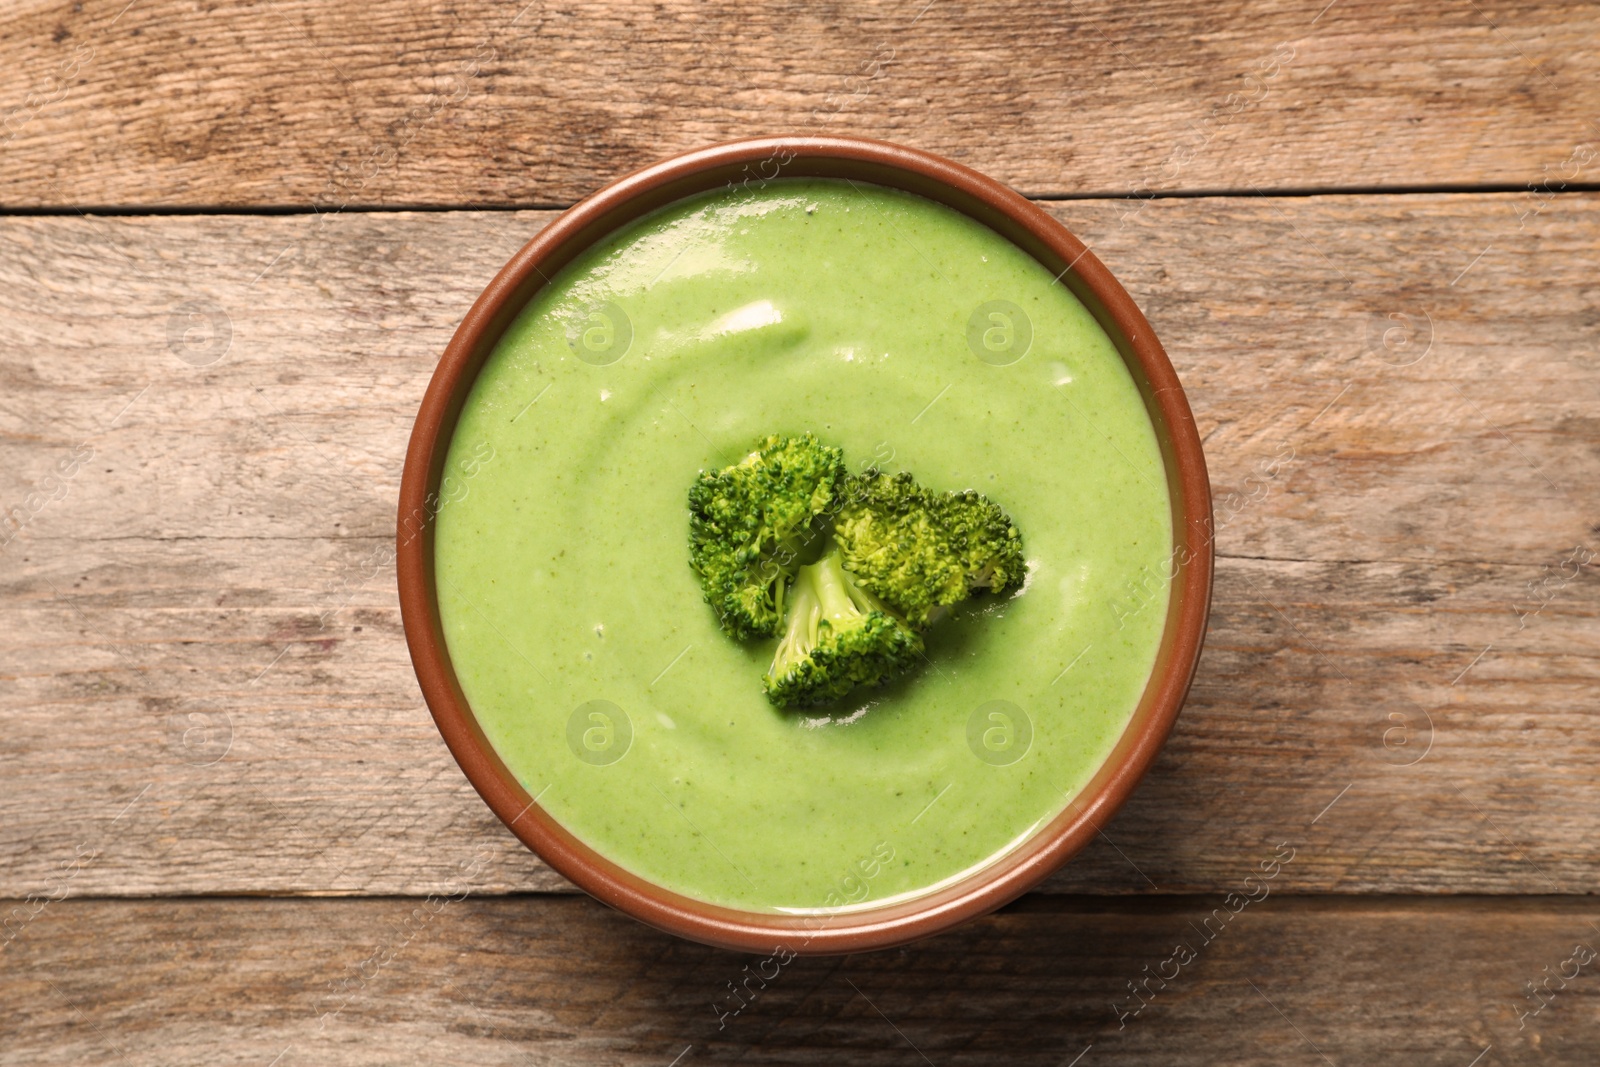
<point>236,237</point>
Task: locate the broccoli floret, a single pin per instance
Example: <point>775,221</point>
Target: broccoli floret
<point>893,541</point>
<point>921,551</point>
<point>893,557</point>
<point>987,542</point>
<point>751,525</point>
<point>838,637</point>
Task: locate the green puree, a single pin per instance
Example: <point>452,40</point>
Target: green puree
<point>563,567</point>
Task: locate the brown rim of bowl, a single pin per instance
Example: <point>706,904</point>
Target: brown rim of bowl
<point>737,165</point>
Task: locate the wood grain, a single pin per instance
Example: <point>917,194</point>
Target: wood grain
<point>206,688</point>
<point>298,104</point>
<point>547,980</point>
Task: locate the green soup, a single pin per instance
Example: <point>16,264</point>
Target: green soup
<point>916,339</point>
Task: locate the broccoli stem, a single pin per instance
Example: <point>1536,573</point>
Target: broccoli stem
<point>833,588</point>
<point>821,590</point>
<point>800,636</point>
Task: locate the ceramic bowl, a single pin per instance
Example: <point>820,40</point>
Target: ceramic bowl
<point>1012,216</point>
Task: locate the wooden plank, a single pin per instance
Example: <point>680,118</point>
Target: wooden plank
<point>537,104</point>
<point>207,689</point>
<point>549,980</point>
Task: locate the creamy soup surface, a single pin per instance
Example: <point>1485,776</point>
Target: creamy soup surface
<point>916,339</point>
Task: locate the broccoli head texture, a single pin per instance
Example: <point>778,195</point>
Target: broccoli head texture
<point>921,551</point>
<point>750,525</point>
<point>893,540</point>
<point>987,543</point>
<point>838,637</point>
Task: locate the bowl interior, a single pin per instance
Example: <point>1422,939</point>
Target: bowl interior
<point>740,165</point>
